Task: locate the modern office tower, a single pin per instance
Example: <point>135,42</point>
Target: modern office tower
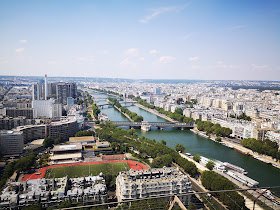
<point>46,87</point>
<point>47,108</point>
<point>65,90</point>
<point>38,91</point>
<point>11,142</point>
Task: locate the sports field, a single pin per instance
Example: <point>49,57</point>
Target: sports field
<point>86,170</point>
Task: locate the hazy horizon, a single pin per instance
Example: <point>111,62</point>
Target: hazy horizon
<point>157,40</point>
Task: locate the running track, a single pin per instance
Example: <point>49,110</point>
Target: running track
<point>132,164</point>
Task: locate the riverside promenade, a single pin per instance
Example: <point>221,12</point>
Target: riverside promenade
<point>155,112</point>
<point>234,145</point>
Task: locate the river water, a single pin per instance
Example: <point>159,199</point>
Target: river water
<point>265,174</point>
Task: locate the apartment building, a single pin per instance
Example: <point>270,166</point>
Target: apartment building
<point>11,142</point>
<point>152,182</point>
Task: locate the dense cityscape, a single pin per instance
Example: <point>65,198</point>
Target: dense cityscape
<point>140,105</point>
<point>57,151</point>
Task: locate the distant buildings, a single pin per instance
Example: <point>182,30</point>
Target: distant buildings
<point>51,192</point>
<point>152,182</point>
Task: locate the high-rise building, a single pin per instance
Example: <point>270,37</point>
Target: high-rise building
<point>65,90</point>
<point>11,142</point>
<point>46,108</point>
<point>46,87</point>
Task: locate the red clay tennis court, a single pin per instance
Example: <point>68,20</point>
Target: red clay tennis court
<point>42,171</point>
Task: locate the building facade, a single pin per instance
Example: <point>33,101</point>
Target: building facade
<point>11,142</point>
<point>152,182</point>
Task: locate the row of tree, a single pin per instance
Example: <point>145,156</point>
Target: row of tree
<point>106,91</point>
<point>242,116</point>
<point>265,147</point>
<point>216,129</point>
<point>132,115</point>
<point>22,164</point>
<point>162,155</point>
<point>177,115</point>
<point>214,182</point>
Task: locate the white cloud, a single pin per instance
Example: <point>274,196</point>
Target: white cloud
<point>187,36</point>
<point>23,41</point>
<point>104,52</point>
<point>159,11</point>
<point>141,59</point>
<point>166,59</point>
<point>131,52</point>
<point>153,52</point>
<point>127,62</point>
<point>236,27</point>
<point>259,67</point>
<point>19,50</point>
<point>85,59</point>
<point>52,62</point>
<point>194,58</point>
<point>3,60</point>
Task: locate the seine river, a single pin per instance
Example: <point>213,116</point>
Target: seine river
<point>265,174</point>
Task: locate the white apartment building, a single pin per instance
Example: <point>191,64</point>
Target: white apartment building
<point>152,182</point>
<point>11,142</point>
<point>273,136</point>
<point>46,108</point>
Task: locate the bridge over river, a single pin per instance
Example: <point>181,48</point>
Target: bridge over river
<point>147,125</point>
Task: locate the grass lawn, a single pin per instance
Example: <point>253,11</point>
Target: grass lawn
<point>85,170</point>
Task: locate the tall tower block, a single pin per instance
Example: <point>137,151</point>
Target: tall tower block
<point>46,87</point>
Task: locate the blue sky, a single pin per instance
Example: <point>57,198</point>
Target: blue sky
<point>215,39</point>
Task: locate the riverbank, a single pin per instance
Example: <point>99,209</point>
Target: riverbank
<point>155,112</point>
<point>126,115</point>
<point>248,202</point>
<point>242,149</point>
<point>236,146</point>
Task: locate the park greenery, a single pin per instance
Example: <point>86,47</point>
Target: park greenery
<point>266,147</point>
<point>106,91</point>
<point>180,148</point>
<point>210,165</point>
<point>197,158</point>
<point>20,165</point>
<point>85,133</point>
<point>214,182</point>
<point>216,129</point>
<point>125,110</point>
<point>242,116</point>
<point>49,141</point>
<point>122,139</point>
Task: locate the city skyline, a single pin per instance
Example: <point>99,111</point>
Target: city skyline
<point>191,40</point>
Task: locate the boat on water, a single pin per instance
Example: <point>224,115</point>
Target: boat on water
<point>260,159</point>
<point>193,131</point>
<point>227,145</point>
<point>268,194</point>
<point>234,167</point>
<point>242,178</point>
<point>276,166</point>
<point>203,135</point>
<point>244,153</point>
<point>145,126</point>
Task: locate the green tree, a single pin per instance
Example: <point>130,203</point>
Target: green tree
<point>48,142</point>
<point>197,158</point>
<point>210,165</point>
<point>163,141</point>
<point>180,147</point>
<point>218,139</point>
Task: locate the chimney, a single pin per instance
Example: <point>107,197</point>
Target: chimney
<point>46,87</point>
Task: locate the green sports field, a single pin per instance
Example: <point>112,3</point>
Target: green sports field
<point>86,170</point>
